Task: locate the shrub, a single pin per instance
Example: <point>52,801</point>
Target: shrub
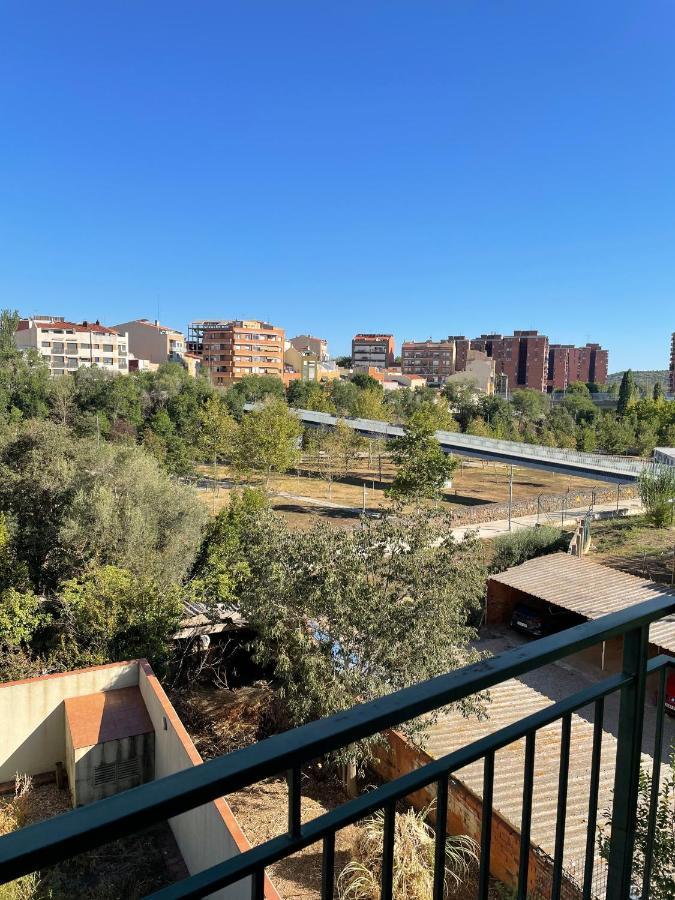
<point>14,815</point>
<point>657,489</point>
<point>414,847</point>
<point>519,546</point>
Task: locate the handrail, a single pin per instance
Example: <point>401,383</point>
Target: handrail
<point>616,466</point>
<point>49,841</point>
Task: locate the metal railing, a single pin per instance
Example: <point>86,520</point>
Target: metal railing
<point>48,842</point>
<point>598,464</point>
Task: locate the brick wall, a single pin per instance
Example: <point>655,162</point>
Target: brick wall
<point>399,756</point>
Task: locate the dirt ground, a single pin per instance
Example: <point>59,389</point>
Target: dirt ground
<point>636,547</point>
<point>474,483</point>
<point>130,868</point>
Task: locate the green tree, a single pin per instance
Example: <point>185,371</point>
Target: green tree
<point>347,616</point>
<point>531,406</point>
<point>423,468</point>
<point>110,614</point>
<point>628,393</point>
<point>268,440</point>
<point>216,432</point>
<point>657,391</point>
<point>334,451</point>
<point>365,382</point>
<point>343,362</point>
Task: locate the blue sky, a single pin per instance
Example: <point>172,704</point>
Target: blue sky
<point>418,167</point>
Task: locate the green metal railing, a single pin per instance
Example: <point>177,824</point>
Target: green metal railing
<point>48,842</point>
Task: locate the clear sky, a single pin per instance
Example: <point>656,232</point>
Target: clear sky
<point>418,167</point>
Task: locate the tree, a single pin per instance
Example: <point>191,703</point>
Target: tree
<point>657,491</point>
<point>309,395</point>
<point>216,431</point>
<point>365,382</point>
<point>74,502</point>
<point>268,440</point>
<point>627,393</point>
<point>530,405</point>
<point>423,467</point>
<point>347,616</point>
<point>657,392</point>
<point>661,848</point>
<point>369,404</point>
<point>334,451</point>
<point>110,614</point>
<point>343,362</point>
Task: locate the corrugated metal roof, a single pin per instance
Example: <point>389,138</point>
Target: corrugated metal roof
<point>509,702</point>
<point>590,589</point>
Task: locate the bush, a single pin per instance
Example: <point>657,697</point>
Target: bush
<point>414,846</point>
<point>14,815</point>
<point>519,546</point>
<point>657,489</point>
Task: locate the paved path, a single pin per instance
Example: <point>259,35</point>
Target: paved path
<point>501,526</point>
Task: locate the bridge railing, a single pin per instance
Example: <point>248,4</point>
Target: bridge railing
<point>37,846</point>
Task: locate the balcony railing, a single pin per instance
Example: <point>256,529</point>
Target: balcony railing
<point>48,842</point>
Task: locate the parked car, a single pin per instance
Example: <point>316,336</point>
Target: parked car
<point>538,623</point>
<point>670,692</point>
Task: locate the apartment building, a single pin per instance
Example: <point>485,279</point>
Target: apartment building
<point>372,350</point>
<point>307,342</point>
<point>567,364</point>
<point>243,347</point>
<point>672,364</point>
<point>522,357</point>
<point>435,360</point>
<point>152,341</point>
<point>196,331</point>
<point>68,346</point>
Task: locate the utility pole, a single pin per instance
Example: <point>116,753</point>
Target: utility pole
<point>510,493</point>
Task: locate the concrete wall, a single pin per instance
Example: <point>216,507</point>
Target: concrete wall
<point>399,756</point>
<point>32,737</point>
<point>138,749</point>
<point>208,834</point>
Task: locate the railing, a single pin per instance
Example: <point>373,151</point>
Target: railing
<point>67,835</point>
<point>615,466</point>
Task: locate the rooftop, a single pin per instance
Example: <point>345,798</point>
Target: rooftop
<point>106,716</point>
<point>589,589</point>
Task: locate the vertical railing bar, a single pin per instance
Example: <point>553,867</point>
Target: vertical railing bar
<point>328,867</point>
<point>528,779</point>
<point>441,829</point>
<point>561,812</point>
<point>486,826</point>
<point>594,787</point>
<point>294,801</point>
<point>387,885</point>
<point>627,767</point>
<point>258,885</point>
<point>656,778</point>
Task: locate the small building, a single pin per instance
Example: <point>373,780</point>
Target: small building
<point>478,372</point>
<point>110,744</point>
<point>315,345</point>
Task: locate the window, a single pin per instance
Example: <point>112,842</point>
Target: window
<point>122,349</point>
<point>107,348</point>
<point>71,347</point>
<point>46,344</point>
<point>107,360</point>
<point>57,361</point>
<point>57,347</point>
<point>123,364</point>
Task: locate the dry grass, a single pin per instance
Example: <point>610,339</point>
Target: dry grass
<point>414,849</point>
<point>475,483</point>
<point>129,868</point>
<point>635,546</point>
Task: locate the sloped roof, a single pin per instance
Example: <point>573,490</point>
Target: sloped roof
<point>589,589</point>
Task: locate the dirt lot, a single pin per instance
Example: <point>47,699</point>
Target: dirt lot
<point>305,499</point>
<point>636,547</point>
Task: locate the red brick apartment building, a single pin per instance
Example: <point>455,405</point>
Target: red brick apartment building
<point>434,360</point>
<point>376,350</point>
<point>243,347</point>
<point>567,364</point>
<point>522,357</point>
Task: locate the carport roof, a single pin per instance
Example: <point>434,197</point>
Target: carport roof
<point>589,589</point>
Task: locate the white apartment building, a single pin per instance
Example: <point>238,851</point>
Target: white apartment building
<point>68,346</point>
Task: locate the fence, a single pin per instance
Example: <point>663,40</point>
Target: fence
<point>91,826</point>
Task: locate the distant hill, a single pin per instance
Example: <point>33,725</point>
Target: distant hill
<point>644,380</point>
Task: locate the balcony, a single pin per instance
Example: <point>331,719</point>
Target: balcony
<point>43,844</point>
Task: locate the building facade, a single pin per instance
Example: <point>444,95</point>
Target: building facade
<point>242,347</point>
<point>372,350</point>
<point>315,345</point>
<point>69,346</point>
<point>588,364</point>
<point>196,331</point>
<point>152,341</point>
<point>434,360</point>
